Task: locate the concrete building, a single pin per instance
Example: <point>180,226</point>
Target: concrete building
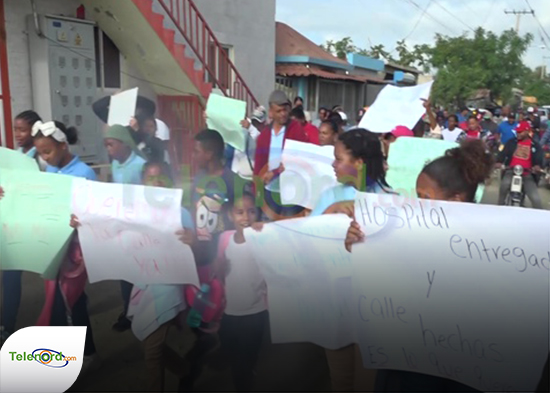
<point>175,52</point>
<point>321,79</point>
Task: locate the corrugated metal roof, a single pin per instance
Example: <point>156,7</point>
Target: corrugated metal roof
<point>302,70</point>
<point>291,43</point>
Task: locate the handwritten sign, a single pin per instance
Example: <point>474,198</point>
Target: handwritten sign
<point>407,158</point>
<point>14,160</point>
<point>396,106</point>
<point>34,216</point>
<point>123,107</point>
<point>308,173</point>
<point>437,293</point>
<point>224,115</point>
<point>128,233</point>
<point>308,276</point>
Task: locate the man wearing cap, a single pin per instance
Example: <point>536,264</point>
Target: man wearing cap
<point>506,129</point>
<point>269,150</point>
<point>487,124</point>
<point>526,153</point>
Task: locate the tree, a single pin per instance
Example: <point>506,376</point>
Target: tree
<point>340,48</point>
<point>485,61</point>
<point>537,84</point>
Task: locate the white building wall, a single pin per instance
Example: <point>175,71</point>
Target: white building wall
<point>18,51</point>
<point>249,27</point>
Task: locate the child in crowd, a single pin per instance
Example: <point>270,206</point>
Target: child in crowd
<point>328,133</point>
<point>11,279</point>
<point>65,300</point>
<point>154,309</point>
<point>453,133</point>
<point>23,135</point>
<point>245,318</point>
<point>359,165</point>
<point>212,187</point>
<point>144,128</point>
<point>126,168</point>
<point>453,177</point>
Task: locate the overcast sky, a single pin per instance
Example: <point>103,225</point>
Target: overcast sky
<point>387,21</point>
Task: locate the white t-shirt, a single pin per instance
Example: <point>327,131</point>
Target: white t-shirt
<point>245,287</point>
<point>453,135</point>
<point>163,132</point>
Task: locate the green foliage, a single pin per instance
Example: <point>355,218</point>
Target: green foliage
<point>464,64</point>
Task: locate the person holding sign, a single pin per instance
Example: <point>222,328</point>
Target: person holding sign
<point>65,301</point>
<point>11,279</point>
<point>453,177</point>
<point>269,152</point>
<point>126,168</point>
<point>152,328</point>
<point>245,316</point>
<point>359,165</point>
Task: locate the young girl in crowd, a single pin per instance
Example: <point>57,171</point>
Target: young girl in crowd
<point>246,316</point>
<point>453,177</point>
<point>154,309</point>
<point>453,133</point>
<point>328,133</point>
<point>11,279</point>
<point>66,302</point>
<point>23,135</point>
<point>359,165</point>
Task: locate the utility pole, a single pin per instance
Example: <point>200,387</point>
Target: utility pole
<point>518,16</point>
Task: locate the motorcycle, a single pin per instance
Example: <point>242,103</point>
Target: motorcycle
<point>516,196</point>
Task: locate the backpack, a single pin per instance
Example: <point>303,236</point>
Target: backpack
<point>216,297</point>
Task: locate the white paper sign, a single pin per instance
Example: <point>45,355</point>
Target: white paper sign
<point>123,107</point>
<point>127,233</point>
<point>396,106</point>
<point>454,290</point>
<point>307,271</point>
<point>308,173</point>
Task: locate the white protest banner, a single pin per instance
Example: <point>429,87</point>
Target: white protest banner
<point>408,156</point>
<point>396,106</point>
<point>453,290</point>
<point>307,271</point>
<point>122,107</point>
<point>308,173</point>
<point>127,233</point>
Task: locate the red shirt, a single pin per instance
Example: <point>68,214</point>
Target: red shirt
<point>523,155</point>
<point>312,132</point>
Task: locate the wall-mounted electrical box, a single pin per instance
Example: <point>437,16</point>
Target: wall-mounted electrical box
<point>63,73</point>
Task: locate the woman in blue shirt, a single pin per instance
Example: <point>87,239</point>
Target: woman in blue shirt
<point>359,165</point>
<point>11,279</point>
<point>52,140</point>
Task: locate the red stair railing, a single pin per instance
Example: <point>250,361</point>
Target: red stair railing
<point>220,70</point>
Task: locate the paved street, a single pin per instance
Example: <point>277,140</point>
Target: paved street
<point>292,367</point>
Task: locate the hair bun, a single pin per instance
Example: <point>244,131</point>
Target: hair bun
<point>477,164</point>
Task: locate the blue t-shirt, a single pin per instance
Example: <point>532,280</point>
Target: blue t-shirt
<point>186,219</point>
<point>506,131</point>
<point>341,193</point>
<point>130,171</point>
<point>74,168</point>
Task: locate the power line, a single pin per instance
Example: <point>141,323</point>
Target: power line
<point>419,20</point>
<point>454,16</point>
<point>488,13</point>
<point>431,17</point>
<point>537,19</point>
<point>518,15</point>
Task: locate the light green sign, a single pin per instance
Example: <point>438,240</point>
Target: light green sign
<point>34,216</point>
<point>407,158</point>
<point>225,115</point>
<point>11,159</point>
